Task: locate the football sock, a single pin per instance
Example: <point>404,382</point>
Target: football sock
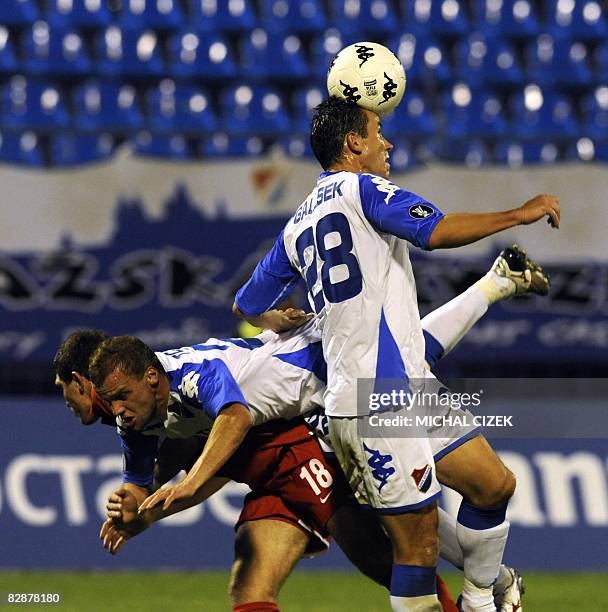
<point>257,606</point>
<point>448,324</point>
<point>449,547</point>
<point>482,534</point>
<point>414,589</point>
<point>495,287</point>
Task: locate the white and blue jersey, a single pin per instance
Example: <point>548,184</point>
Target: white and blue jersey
<point>349,241</point>
<point>274,376</point>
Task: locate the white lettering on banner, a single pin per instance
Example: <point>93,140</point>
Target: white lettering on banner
<point>557,475</point>
<point>553,489</point>
<point>498,333</point>
<point>69,469</point>
<point>524,508</point>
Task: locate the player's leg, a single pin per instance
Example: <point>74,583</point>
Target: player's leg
<point>265,553</point>
<point>477,473</point>
<point>512,273</point>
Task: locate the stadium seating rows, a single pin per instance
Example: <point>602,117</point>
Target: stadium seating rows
<point>503,81</point>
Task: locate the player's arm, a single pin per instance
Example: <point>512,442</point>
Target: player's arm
<point>458,229</point>
<point>273,279</point>
<point>228,431</point>
<point>217,394</point>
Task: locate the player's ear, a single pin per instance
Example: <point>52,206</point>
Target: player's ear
<point>152,377</point>
<point>80,381</point>
<point>353,143</point>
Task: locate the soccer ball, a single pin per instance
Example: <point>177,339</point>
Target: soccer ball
<point>369,75</point>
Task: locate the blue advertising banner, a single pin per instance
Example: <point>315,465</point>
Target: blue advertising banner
<point>171,281</point>
<point>55,476</point>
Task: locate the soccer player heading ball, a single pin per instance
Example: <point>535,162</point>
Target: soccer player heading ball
<point>349,241</point>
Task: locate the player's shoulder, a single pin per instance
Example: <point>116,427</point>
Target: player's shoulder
<point>372,186</point>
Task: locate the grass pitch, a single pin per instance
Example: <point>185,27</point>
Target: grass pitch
<point>304,592</point>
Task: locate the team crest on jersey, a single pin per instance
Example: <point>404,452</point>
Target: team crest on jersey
<point>420,211</point>
<point>385,187</point>
<point>423,478</point>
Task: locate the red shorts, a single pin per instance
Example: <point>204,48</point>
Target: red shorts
<point>291,479</point>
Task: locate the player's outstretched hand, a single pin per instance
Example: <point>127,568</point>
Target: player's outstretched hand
<point>540,206</point>
<point>284,320</point>
<point>168,495</point>
<point>113,538</point>
<point>122,506</point>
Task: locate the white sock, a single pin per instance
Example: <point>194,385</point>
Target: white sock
<point>449,547</point>
<point>425,603</point>
<point>483,550</point>
<point>449,323</point>
<point>495,287</point>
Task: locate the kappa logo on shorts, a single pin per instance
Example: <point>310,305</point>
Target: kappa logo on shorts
<point>420,211</point>
<point>377,462</point>
<point>423,477</point>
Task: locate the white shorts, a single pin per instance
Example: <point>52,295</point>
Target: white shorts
<point>393,474</point>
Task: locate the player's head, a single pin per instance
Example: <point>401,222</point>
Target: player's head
<point>127,374</point>
<point>71,369</point>
<point>343,135</point>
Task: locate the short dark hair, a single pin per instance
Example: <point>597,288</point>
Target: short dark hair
<point>75,353</point>
<point>128,354</point>
<point>331,121</point>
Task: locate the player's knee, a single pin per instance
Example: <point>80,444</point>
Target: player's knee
<point>498,492</point>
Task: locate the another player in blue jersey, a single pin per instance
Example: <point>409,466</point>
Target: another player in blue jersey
<point>349,241</point>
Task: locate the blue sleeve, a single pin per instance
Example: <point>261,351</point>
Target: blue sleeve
<point>433,350</point>
<point>398,212</point>
<point>211,385</point>
<point>139,454</point>
<point>272,281</point>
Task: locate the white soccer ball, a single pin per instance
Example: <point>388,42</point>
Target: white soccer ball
<point>369,75</point>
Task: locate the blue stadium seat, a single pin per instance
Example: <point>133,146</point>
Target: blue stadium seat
<point>8,58</point>
<point>586,150</point>
<point>601,63</point>
<point>54,51</point>
<point>21,148</point>
<point>487,63</point>
<point>559,61</point>
<point>297,147</point>
<point>594,106</point>
<point>364,19</point>
<point>33,104</point>
<point>424,59</point>
<point>128,52</point>
<point>173,146</point>
<point>107,106</point>
<point>93,14</point>
<point>404,156</point>
<point>444,18</point>
<point>221,144</point>
<point>579,20</point>
<point>253,110</point>
<point>303,102</point>
<point>516,154</point>
<point>67,149</point>
<point>323,49</point>
<point>510,18</point>
<point>541,115</point>
<point>472,153</point>
<point>472,114</point>
<point>197,55</point>
<point>18,12</point>
<point>273,56</point>
<point>222,15</point>
<point>412,119</point>
<point>293,16</point>
<point>151,15</point>
<point>184,108</point>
